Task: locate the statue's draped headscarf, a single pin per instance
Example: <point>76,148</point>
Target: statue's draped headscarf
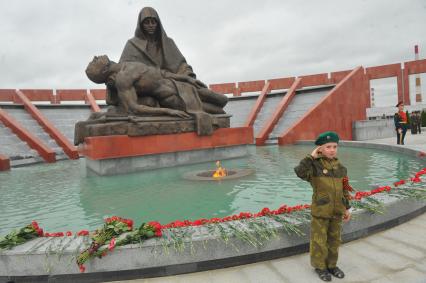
<point>136,48</point>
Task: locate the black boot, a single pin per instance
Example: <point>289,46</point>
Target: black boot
<point>323,274</point>
<point>337,272</point>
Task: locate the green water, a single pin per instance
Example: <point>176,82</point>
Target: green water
<point>61,196</point>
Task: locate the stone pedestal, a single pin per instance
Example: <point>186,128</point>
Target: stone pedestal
<point>105,124</point>
<point>120,154</point>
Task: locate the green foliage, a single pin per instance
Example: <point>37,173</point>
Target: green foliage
<point>18,237</point>
<point>423,118</point>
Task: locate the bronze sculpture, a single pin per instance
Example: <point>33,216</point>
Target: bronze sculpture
<point>152,78</point>
<point>146,90</point>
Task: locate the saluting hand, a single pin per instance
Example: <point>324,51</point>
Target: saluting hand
<point>315,153</point>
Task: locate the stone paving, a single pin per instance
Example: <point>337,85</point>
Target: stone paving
<point>397,255</point>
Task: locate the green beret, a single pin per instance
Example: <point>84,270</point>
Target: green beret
<point>326,137</point>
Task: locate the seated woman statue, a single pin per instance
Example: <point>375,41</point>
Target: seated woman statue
<point>152,47</point>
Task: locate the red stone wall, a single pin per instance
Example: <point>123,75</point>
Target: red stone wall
<point>314,80</point>
<point>70,95</point>
<point>225,88</point>
<point>106,147</point>
<point>4,163</point>
<point>335,112</point>
<point>250,86</point>
<point>98,94</point>
<point>336,77</point>
<point>281,83</point>
<point>39,95</point>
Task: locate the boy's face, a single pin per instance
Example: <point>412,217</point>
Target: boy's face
<point>329,150</point>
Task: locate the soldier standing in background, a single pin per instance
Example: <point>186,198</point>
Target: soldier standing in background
<point>401,123</point>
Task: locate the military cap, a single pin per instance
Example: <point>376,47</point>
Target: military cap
<point>399,103</point>
<point>326,137</point>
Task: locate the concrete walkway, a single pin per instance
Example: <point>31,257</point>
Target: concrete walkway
<point>417,142</point>
<point>396,255</point>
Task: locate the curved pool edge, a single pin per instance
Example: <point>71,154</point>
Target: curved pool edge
<point>28,264</point>
<point>362,144</point>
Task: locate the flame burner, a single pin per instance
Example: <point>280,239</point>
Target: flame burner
<point>207,175</point>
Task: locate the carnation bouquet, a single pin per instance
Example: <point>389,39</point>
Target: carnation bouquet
<point>107,238</point>
<point>17,237</point>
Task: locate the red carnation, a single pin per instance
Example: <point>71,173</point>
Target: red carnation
<point>35,225</point>
<point>156,225</point>
<point>158,233</point>
<point>82,268</point>
<point>400,182</point>
<point>83,233</point>
<point>227,218</point>
<point>68,233</point>
<point>111,244</point>
<point>197,222</point>
<point>129,223</point>
<point>177,223</point>
<point>265,211</point>
<point>215,220</point>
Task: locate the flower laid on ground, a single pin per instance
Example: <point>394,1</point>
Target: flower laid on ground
<point>83,233</point>
<point>242,215</point>
<point>21,236</point>
<point>111,244</point>
<point>399,183</point>
<point>110,234</point>
<point>113,227</point>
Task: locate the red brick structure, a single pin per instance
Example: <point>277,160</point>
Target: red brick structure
<point>344,104</point>
<point>4,163</point>
<point>108,147</point>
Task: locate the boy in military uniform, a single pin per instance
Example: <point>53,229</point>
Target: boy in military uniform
<point>330,203</point>
<point>401,123</point>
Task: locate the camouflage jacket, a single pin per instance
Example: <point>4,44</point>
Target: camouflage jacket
<point>326,177</point>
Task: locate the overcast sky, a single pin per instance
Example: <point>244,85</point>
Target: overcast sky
<point>48,43</point>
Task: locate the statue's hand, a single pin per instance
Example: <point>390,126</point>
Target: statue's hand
<point>191,80</point>
<point>178,113</point>
<point>196,83</point>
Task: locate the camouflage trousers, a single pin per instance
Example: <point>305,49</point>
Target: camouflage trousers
<point>325,241</point>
